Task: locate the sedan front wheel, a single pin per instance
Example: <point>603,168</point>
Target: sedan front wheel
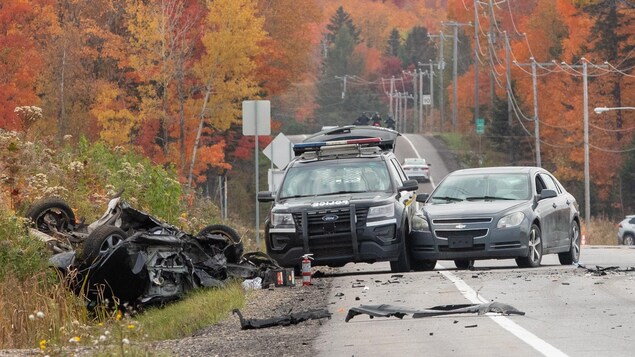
<point>534,255</point>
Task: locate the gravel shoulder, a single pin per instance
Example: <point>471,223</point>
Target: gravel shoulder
<point>227,339</point>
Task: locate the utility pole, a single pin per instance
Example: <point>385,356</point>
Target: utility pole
<point>476,101</point>
<point>587,174</point>
<point>430,72</point>
<point>421,100</point>
<point>344,88</point>
<point>397,118</point>
<point>508,74</point>
<point>441,65</point>
<point>392,93</point>
<point>536,120</point>
<point>455,54</point>
<point>415,106</point>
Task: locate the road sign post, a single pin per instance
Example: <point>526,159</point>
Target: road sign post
<point>257,121</point>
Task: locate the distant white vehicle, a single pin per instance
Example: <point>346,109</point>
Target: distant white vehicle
<point>626,231</point>
<point>416,169</point>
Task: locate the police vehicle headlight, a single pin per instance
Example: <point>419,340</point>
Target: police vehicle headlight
<point>281,220</point>
<point>511,220</point>
<point>419,223</point>
<point>381,211</point>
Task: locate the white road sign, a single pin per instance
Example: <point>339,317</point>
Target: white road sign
<point>279,150</point>
<point>256,112</point>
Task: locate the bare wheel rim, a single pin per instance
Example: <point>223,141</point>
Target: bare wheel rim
<point>52,218</point>
<point>535,243</point>
<point>110,242</point>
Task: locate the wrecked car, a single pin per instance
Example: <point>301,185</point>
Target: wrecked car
<point>133,257</point>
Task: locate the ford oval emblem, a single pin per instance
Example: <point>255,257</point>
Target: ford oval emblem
<point>330,218</point>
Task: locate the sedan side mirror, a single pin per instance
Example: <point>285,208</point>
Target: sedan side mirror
<point>422,197</point>
<point>547,193</point>
<point>265,196</point>
<point>409,185</point>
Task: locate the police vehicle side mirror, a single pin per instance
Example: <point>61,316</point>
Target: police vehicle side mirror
<point>422,197</point>
<point>546,193</point>
<point>409,185</point>
<point>265,196</point>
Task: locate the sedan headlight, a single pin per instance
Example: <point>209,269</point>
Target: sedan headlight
<point>419,223</point>
<point>382,211</point>
<point>511,220</point>
<point>281,220</point>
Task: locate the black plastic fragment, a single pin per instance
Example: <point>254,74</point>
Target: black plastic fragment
<point>291,319</point>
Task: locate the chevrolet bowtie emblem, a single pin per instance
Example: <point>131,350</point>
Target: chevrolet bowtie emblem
<point>460,226</point>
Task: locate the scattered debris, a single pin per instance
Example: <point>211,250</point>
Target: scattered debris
<point>471,326</point>
<point>339,294</point>
<point>385,310</point>
<point>599,271</point>
<point>290,319</point>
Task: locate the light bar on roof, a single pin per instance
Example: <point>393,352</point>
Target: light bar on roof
<point>304,147</point>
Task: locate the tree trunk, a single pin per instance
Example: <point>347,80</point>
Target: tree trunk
<point>208,91</point>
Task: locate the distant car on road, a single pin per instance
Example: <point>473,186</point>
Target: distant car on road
<point>496,213</point>
<point>626,231</point>
<point>416,168</point>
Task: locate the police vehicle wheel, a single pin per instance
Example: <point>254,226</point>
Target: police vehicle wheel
<point>402,264</point>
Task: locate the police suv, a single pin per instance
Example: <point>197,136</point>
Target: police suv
<point>342,201</point>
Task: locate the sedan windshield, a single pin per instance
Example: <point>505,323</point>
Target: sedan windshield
<point>321,178</point>
<point>482,187</point>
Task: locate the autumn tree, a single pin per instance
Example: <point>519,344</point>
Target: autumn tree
<point>339,20</point>
<point>232,41</point>
<point>418,47</point>
<point>21,24</point>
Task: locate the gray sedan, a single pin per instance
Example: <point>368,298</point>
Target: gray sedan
<point>496,213</point>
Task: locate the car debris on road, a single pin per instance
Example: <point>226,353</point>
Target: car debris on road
<point>599,271</point>
<point>286,320</point>
<point>385,310</point>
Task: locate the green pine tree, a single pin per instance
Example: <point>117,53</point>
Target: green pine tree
<point>394,43</point>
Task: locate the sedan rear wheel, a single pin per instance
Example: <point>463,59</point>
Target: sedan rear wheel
<point>534,255</point>
<point>573,255</point>
<point>629,240</point>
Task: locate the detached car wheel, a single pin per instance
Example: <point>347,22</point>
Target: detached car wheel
<point>534,255</point>
<point>102,240</point>
<point>629,240</point>
<point>51,214</point>
<point>573,255</point>
<point>402,264</point>
<point>234,251</point>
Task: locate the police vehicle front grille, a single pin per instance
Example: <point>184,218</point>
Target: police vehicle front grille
<point>318,226</point>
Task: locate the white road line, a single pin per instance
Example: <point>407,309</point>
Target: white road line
<point>529,338</point>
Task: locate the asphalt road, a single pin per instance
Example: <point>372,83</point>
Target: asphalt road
<point>569,311</point>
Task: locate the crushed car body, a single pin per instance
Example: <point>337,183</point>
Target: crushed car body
<point>129,256</point>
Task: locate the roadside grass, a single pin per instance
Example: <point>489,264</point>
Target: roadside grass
<point>603,231</point>
<point>202,307</point>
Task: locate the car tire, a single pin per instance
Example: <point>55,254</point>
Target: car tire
<point>51,214</point>
<point>235,252</point>
<point>573,255</point>
<point>423,265</point>
<point>402,264</point>
<point>629,239</point>
<point>463,263</point>
<point>534,253</point>
<point>100,241</point>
